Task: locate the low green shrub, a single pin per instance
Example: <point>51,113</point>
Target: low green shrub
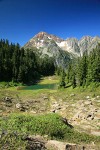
<point>12,141</point>
<point>50,124</point>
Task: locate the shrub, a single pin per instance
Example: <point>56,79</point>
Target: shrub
<point>50,124</point>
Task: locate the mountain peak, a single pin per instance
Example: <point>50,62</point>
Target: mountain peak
<point>41,34</point>
<point>46,36</point>
<point>72,45</point>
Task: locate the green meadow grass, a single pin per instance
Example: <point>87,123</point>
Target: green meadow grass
<point>49,85</point>
<point>45,85</point>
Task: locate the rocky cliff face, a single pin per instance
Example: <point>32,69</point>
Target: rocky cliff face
<point>78,47</point>
<point>88,43</point>
<point>48,45</point>
<point>70,45</point>
<point>42,39</point>
<point>74,46</point>
<point>62,50</point>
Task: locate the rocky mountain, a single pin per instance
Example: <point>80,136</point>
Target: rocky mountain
<point>48,45</point>
<point>62,50</point>
<point>42,39</point>
<point>74,46</point>
<point>70,45</point>
<point>88,43</point>
<point>78,47</point>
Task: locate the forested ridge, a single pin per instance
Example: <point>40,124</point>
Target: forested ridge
<point>83,71</point>
<point>22,65</point>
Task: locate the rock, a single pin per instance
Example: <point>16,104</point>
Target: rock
<point>77,115</point>
<point>98,96</point>
<point>4,132</point>
<point>32,111</point>
<point>72,95</point>
<point>58,108</point>
<point>58,145</point>
<point>45,98</point>
<point>80,102</point>
<point>73,105</point>
<point>53,110</point>
<point>90,116</point>
<point>98,101</point>
<point>35,143</point>
<point>60,100</point>
<point>88,102</point>
<point>97,133</point>
<point>66,122</point>
<point>74,147</point>
<point>20,107</point>
<point>55,145</point>
<point>70,147</point>
<point>55,105</point>
<point>95,110</point>
<point>8,99</point>
<point>45,136</point>
<point>87,97</point>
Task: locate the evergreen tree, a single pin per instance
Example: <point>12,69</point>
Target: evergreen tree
<point>27,65</point>
<point>93,74</point>
<point>62,80</point>
<point>82,70</point>
<point>73,81</point>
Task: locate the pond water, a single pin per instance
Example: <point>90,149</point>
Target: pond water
<point>41,86</point>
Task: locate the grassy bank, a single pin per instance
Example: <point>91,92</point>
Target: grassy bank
<point>48,85</point>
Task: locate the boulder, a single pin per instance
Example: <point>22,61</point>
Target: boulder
<point>20,107</point>
<point>45,98</point>
<point>66,122</point>
<point>34,143</point>
<point>90,116</point>
<point>72,95</point>
<point>88,102</point>
<point>8,99</point>
<point>74,147</point>
<point>87,97</point>
<point>98,96</point>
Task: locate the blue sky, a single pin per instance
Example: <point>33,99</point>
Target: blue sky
<point>20,20</point>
